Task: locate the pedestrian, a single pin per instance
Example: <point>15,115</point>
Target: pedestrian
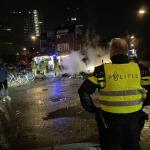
<point>3,82</point>
<point>121,98</point>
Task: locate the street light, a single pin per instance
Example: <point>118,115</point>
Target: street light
<point>142,11</point>
<point>132,45</point>
<point>143,30</point>
<point>132,37</point>
<point>33,38</point>
<point>33,42</point>
<point>24,48</point>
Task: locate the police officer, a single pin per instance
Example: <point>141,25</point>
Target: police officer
<point>56,67</point>
<point>120,101</point>
<point>43,67</point>
<point>34,67</point>
<point>145,75</point>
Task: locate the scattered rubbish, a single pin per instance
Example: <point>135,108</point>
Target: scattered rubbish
<point>44,89</point>
<point>79,112</point>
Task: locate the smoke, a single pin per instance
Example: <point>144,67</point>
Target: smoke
<point>97,56</point>
<point>73,64</point>
<point>94,55</point>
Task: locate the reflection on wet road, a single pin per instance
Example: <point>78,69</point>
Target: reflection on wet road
<point>48,112</point>
<point>52,114</point>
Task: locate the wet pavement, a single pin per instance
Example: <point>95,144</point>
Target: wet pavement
<point>47,113</point>
<point>50,113</point>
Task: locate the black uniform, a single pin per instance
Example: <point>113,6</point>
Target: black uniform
<point>123,131</point>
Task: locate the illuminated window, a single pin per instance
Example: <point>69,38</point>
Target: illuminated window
<point>63,47</point>
<point>8,29</point>
<point>36,23</point>
<point>74,19</point>
<point>58,36</point>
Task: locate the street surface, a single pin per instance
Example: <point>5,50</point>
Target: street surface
<point>48,113</point>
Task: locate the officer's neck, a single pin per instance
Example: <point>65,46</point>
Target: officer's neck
<point>119,59</point>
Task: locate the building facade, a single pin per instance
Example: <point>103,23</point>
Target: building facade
<point>68,38</point>
<point>34,24</point>
<point>11,34</point>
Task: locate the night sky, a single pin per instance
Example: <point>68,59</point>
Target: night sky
<point>106,17</point>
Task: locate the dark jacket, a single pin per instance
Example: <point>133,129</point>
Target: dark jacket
<point>3,72</point>
<point>88,87</point>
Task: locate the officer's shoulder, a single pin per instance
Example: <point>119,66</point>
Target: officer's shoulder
<point>144,69</point>
<point>99,71</point>
<point>101,67</point>
<point>142,66</point>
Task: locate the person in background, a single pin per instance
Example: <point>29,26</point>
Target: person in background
<point>57,67</point>
<point>43,67</point>
<point>34,67</point>
<point>121,96</point>
<point>145,73</point>
<point>3,82</point>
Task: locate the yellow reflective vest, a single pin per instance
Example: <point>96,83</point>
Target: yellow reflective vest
<point>122,92</point>
<point>43,65</point>
<point>33,65</point>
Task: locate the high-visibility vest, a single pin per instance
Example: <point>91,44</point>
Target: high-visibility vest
<point>56,64</point>
<point>122,92</point>
<point>33,65</point>
<point>43,65</point>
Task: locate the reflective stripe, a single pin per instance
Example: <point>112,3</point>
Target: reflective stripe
<point>93,79</point>
<point>145,82</point>
<point>122,93</point>
<point>147,77</point>
<point>101,79</point>
<point>102,84</point>
<point>120,103</point>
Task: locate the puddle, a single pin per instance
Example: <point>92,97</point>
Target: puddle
<point>58,99</point>
<point>62,90</point>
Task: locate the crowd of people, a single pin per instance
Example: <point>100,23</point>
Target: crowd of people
<point>43,69</point>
